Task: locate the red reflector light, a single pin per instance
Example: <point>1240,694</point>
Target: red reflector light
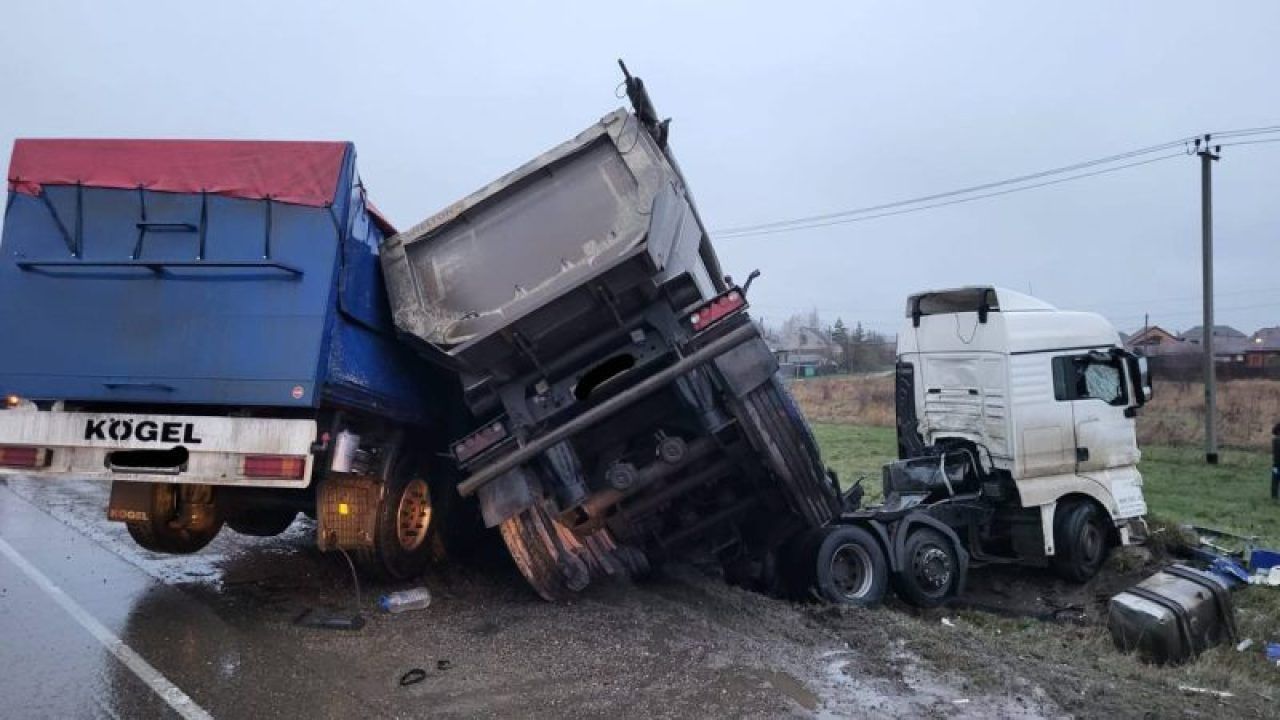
<point>275,466</point>
<point>22,457</point>
<point>707,315</point>
<point>479,441</point>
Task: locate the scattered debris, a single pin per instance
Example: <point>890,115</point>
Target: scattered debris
<point>325,620</point>
<point>960,701</point>
<point>1270,576</point>
<point>1206,691</point>
<point>1232,573</point>
<point>1244,644</point>
<point>443,664</point>
<point>1263,559</point>
<point>948,622</point>
<point>397,602</point>
<point>413,677</point>
<point>1273,653</point>
<point>1214,543</point>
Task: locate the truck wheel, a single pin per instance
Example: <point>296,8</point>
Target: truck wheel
<point>262,522</point>
<point>161,535</point>
<point>850,567</point>
<point>403,527</point>
<point>1080,541</point>
<point>778,430</point>
<point>542,550</point>
<point>931,569</point>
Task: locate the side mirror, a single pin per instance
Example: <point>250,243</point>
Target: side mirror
<point>1139,379</point>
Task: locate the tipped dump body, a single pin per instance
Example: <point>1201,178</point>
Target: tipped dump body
<point>583,234</point>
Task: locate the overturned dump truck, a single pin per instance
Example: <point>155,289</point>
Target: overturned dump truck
<point>628,407</point>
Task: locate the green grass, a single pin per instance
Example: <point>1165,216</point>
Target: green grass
<point>1234,495</point>
<point>855,451</point>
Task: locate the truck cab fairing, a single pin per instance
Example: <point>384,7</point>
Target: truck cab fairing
<point>1048,395</point>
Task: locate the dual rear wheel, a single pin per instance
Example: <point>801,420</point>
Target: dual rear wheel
<point>404,525</point>
<point>847,565</point>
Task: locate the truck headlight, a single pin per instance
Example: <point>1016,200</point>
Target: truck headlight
<point>12,401</point>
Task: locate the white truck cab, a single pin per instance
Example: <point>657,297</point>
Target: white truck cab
<point>1044,400</point>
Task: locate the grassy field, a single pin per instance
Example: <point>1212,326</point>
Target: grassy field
<point>1247,409</point>
<point>1233,496</point>
<point>1180,488</point>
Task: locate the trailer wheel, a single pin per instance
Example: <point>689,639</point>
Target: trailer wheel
<point>262,522</point>
<point>162,535</point>
<point>1080,541</point>
<point>403,527</point>
<point>777,429</point>
<point>850,567</point>
<point>931,569</point>
<point>542,550</point>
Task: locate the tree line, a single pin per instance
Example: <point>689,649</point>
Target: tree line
<point>851,349</point>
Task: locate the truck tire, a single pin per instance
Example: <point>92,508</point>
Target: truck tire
<point>262,522</point>
<point>403,528</point>
<point>930,573</point>
<point>1080,541</point>
<point>160,535</point>
<point>543,552</point>
<point>778,430</point>
<point>850,567</point>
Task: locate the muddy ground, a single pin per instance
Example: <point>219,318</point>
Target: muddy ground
<point>681,644</point>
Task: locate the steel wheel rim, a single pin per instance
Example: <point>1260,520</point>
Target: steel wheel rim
<point>932,568</point>
<point>851,571</point>
<point>413,516</point>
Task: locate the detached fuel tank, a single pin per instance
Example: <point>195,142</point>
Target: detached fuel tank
<point>1172,616</point>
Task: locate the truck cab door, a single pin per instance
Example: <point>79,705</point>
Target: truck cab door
<point>1098,388</point>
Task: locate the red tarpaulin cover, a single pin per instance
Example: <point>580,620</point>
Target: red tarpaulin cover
<point>303,173</point>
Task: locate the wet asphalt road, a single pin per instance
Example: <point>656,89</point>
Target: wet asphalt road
<point>58,586</point>
<point>93,626</point>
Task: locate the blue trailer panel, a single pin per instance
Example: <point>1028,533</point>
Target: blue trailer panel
<point>216,297</point>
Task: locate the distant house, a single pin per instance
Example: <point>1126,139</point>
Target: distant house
<point>1263,349</point>
<point>806,352</point>
<point>1151,340</point>
<point>1229,344</point>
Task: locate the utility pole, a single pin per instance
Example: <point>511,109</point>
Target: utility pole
<point>1208,156</point>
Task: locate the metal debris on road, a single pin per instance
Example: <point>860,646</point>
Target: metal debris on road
<point>1205,691</point>
<point>413,677</point>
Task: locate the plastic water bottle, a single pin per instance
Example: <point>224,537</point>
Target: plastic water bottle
<point>405,600</point>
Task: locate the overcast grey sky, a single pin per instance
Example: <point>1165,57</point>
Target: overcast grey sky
<point>780,110</point>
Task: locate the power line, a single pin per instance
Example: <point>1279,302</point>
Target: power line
<point>1248,142</point>
<point>962,191</point>
<point>839,217</point>
<point>746,232</point>
<point>1246,131</point>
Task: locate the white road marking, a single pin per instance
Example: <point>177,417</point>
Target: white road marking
<point>170,693</point>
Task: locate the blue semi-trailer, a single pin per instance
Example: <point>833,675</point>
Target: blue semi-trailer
<point>204,324</point>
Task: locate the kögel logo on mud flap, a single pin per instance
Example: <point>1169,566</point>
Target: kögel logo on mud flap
<point>144,431</point>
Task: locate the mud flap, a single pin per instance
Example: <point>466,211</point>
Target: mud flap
<point>747,366</point>
<point>505,497</point>
<point>130,502</point>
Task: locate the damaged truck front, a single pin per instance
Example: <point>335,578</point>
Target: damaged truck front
<point>629,406</point>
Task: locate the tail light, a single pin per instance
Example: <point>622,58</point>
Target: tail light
<point>23,457</point>
<point>718,308</point>
<point>283,467</point>
<point>479,441</point>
